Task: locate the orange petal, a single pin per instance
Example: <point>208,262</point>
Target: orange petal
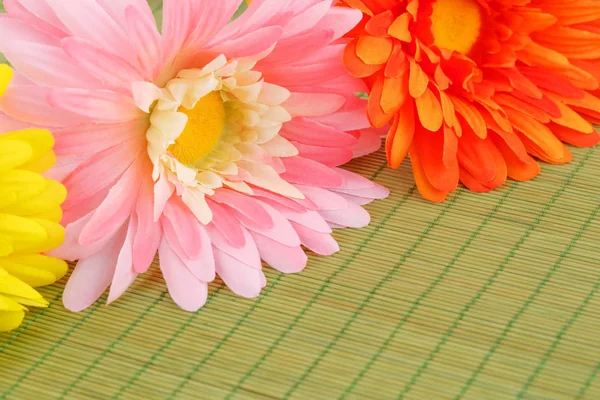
<point>430,146</point>
<point>396,65</point>
<point>471,115</point>
<point>355,66</point>
<point>379,24</point>
<point>430,111</point>
<point>401,135</point>
<point>394,94</point>
<point>450,146</point>
<point>425,188</point>
<point>399,28</point>
<point>499,178</point>
<point>373,50</point>
<point>558,156</point>
<point>448,112</point>
<point>418,80</point>
<point>538,134</point>
<point>572,119</point>
<point>474,155</point>
<point>517,169</point>
<point>574,137</point>
<point>377,117</point>
<point>508,100</point>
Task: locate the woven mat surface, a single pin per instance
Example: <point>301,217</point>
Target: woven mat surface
<point>487,296</point>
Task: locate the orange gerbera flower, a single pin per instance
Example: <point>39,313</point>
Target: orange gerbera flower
<point>473,88</point>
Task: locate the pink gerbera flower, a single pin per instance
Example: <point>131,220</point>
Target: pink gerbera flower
<point>215,144</point>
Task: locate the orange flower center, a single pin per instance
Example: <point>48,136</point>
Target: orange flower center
<point>205,125</point>
<point>456,24</point>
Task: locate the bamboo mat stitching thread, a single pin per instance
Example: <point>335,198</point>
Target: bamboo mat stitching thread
<point>496,273</point>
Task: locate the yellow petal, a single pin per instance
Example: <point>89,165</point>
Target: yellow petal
<point>13,153</point>
<point>41,164</point>
<point>22,233</point>
<point>52,196</point>
<point>58,268</point>
<point>6,74</point>
<point>5,247</point>
<point>19,291</point>
<point>55,236</point>
<point>18,186</point>
<point>8,304</point>
<point>10,320</point>
<point>54,214</point>
<point>40,140</point>
<point>30,275</point>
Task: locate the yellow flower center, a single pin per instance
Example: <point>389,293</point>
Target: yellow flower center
<point>456,24</point>
<point>206,122</point>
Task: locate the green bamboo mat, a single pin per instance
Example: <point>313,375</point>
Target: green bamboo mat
<point>487,296</point>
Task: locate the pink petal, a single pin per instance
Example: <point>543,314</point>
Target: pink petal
<point>354,216</point>
<point>281,231</point>
<point>124,274</point>
<point>87,140</point>
<point>142,31</point>
<point>9,124</point>
<point>311,173</point>
<point>372,193</point>
<point>307,19</point>
<point>187,291</point>
<point>101,106</point>
<point>116,208</point>
<point>287,259</point>
<point>277,200</point>
<point>227,224</point>
<point>287,50</point>
<point>341,20</point>
<point>210,18</point>
<point>244,205</point>
<point>92,275</point>
<point>369,142</point>
<point>103,65</point>
<point>313,104</point>
<point>361,201</point>
<point>97,173</point>
<point>308,131</point>
<point>71,249</point>
<point>78,210</point>
<point>261,13</point>
<point>324,155</point>
<point>350,117</point>
<point>36,13</point>
<point>176,25</point>
<point>88,20</point>
<point>148,235</point>
<point>321,243</point>
<point>163,190</point>
<point>20,26</point>
<point>252,44</point>
<point>47,65</point>
<point>310,219</point>
<point>186,228</point>
<point>118,9</point>
<point>316,70</point>
<point>241,279</point>
<point>323,198</point>
<point>247,254</point>
<point>353,181</point>
<point>28,103</point>
<point>202,267</point>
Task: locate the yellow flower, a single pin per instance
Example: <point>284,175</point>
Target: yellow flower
<point>29,219</point>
